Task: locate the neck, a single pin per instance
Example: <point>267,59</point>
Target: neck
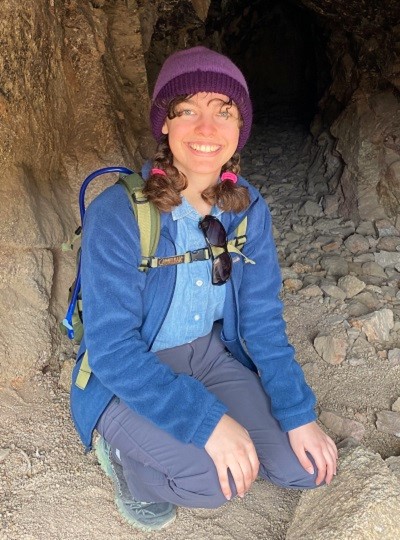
<point>193,193</point>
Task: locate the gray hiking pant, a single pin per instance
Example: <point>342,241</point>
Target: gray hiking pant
<point>159,468</point>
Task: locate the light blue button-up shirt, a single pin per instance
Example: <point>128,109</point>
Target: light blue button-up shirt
<point>196,303</point>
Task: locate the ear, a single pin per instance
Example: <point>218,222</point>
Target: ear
<point>164,129</point>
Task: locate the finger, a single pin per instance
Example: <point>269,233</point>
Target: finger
<point>247,471</point>
<point>305,461</point>
<point>321,467</point>
<point>238,478</point>
<point>255,464</point>
<point>334,448</point>
<point>222,472</point>
<point>330,467</point>
<point>333,453</point>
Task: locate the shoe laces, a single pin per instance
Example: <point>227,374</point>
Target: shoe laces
<point>140,507</point>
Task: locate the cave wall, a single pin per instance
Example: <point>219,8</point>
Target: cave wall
<point>74,82</point>
<point>69,90</point>
<point>361,108</point>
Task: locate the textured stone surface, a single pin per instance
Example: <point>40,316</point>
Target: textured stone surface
<point>59,119</point>
<point>343,427</point>
<point>388,422</point>
<point>351,285</point>
<point>376,326</point>
<point>362,503</point>
<point>64,382</point>
<point>332,349</point>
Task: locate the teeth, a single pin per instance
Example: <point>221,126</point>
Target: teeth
<point>204,147</point>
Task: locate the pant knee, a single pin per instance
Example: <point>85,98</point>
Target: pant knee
<point>301,480</point>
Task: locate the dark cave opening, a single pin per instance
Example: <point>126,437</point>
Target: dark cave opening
<point>280,47</point>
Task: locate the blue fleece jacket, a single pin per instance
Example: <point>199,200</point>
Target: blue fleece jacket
<point>124,310</point>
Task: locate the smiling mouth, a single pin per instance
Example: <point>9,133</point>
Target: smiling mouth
<point>206,148</point>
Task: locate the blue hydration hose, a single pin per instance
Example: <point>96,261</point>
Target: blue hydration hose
<point>67,322</point>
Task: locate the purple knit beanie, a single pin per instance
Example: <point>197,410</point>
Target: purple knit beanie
<point>200,70</point>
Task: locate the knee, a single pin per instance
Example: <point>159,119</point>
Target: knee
<point>300,479</point>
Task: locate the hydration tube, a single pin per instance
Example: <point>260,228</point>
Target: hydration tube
<point>67,322</point>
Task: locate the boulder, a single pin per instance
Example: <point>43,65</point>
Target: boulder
<point>362,503</point>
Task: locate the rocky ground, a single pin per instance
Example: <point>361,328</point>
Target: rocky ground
<point>341,291</point>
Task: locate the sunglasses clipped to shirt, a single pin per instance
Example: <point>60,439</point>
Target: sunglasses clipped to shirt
<point>217,241</point>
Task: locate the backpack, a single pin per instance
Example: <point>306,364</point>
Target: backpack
<point>148,218</point>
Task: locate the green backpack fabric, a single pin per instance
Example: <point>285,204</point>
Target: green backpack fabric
<point>148,219</point>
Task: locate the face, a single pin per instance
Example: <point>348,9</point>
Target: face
<point>204,134</point>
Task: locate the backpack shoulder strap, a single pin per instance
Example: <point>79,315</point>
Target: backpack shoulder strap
<point>236,244</point>
<point>146,214</point>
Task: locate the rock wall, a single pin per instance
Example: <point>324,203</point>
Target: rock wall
<point>361,107</point>
<point>69,88</point>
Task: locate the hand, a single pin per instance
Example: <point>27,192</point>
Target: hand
<point>230,447</point>
<point>310,437</point>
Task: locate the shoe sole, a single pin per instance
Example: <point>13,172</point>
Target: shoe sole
<point>104,461</point>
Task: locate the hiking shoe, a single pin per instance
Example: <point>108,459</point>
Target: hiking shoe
<point>147,516</point>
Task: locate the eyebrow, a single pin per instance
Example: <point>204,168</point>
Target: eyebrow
<point>230,102</point>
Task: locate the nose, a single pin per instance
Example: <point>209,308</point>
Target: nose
<point>205,124</point>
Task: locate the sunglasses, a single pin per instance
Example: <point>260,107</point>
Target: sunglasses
<point>217,241</point>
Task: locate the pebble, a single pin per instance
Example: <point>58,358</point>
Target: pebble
<point>388,243</point>
<point>385,228</point>
<point>333,291</point>
<point>369,299</point>
<point>335,265</point>
<point>388,422</point>
<point>343,427</point>
<point>331,349</point>
<point>376,326</point>
<point>366,228</point>
<point>311,208</point>
<point>387,258</point>
<point>311,291</point>
<point>394,357</point>
<point>351,285</point>
<point>356,243</point>
<point>292,284</point>
<point>396,405</point>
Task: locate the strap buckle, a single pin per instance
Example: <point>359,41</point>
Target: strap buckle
<point>202,254</point>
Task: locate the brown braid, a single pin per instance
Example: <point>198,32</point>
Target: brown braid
<point>164,191</point>
<point>228,196</point>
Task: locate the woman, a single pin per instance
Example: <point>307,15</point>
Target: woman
<point>194,389</point>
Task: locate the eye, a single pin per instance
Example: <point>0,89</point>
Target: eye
<point>225,113</point>
<point>185,112</point>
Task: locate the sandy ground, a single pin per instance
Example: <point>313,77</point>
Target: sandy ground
<point>51,490</point>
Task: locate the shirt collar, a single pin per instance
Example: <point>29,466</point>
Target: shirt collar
<point>186,210</point>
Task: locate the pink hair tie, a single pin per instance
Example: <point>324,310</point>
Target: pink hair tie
<point>158,171</point>
<point>229,176</point>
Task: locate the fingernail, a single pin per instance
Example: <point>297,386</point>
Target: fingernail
<point>228,497</point>
<point>310,470</point>
<point>241,495</point>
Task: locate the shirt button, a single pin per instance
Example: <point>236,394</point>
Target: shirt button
<point>196,317</point>
<point>199,282</point>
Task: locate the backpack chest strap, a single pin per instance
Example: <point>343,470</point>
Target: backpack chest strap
<point>233,246</point>
<point>185,258</point>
